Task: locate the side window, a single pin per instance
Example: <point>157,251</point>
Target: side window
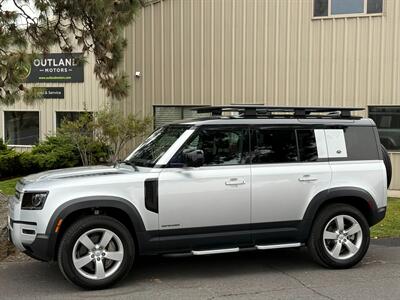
<point>220,146</point>
<point>361,143</point>
<point>307,145</point>
<point>274,146</point>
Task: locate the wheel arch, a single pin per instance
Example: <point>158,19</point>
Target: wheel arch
<point>116,207</point>
<point>356,197</point>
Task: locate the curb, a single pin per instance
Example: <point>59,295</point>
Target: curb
<point>387,242</point>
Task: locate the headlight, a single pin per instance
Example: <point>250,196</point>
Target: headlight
<point>34,200</point>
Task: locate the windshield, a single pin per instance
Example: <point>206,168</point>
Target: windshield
<point>156,145</point>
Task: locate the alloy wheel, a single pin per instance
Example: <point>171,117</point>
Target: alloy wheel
<point>342,237</point>
<point>98,253</point>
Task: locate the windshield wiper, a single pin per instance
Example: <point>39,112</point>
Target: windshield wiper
<point>129,163</point>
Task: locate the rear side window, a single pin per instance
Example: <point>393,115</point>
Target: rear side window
<point>274,146</point>
<point>307,145</point>
<point>361,143</point>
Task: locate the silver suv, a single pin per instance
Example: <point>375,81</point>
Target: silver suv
<point>246,177</point>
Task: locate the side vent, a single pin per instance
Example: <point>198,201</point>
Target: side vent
<point>151,194</point>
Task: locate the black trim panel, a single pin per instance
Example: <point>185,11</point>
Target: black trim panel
<point>151,194</point>
<point>22,222</point>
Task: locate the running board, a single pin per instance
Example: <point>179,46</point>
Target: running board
<point>277,246</point>
<point>217,251</point>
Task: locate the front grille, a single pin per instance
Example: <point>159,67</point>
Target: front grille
<point>17,194</point>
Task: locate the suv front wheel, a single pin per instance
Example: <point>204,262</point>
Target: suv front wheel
<point>95,252</point>
<point>339,236</point>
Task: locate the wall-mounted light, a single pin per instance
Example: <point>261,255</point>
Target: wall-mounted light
<point>138,74</point>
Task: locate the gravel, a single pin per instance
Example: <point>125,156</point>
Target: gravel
<point>7,249</point>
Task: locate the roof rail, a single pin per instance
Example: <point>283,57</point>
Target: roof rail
<point>255,111</point>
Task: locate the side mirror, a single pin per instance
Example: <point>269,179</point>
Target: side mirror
<point>194,158</point>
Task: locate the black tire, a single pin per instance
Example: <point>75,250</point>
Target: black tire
<point>75,231</point>
<point>388,165</point>
<point>316,245</point>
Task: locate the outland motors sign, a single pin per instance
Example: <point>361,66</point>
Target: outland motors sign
<point>56,67</point>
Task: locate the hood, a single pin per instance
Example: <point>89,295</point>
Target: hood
<point>73,173</point>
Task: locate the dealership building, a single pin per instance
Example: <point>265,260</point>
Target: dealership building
<point>187,53</point>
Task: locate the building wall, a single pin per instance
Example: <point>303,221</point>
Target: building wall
<point>261,51</point>
<point>78,97</point>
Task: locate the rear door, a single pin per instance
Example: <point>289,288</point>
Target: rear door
<point>289,168</point>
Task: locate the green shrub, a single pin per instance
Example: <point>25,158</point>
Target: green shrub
<point>54,153</point>
<point>10,165</point>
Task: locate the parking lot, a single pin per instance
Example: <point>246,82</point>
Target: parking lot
<point>284,274</point>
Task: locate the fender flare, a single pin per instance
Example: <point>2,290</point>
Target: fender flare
<point>74,205</point>
<point>339,192</point>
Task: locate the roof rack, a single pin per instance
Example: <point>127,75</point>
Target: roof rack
<point>262,111</point>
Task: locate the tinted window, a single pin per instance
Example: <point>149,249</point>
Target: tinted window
<point>220,146</point>
<point>307,145</point>
<point>21,127</point>
<point>62,116</point>
<point>375,6</point>
<point>361,143</point>
<point>320,8</point>
<point>387,119</point>
<point>274,146</point>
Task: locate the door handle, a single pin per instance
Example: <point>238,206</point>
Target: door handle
<point>307,178</point>
<point>235,181</point>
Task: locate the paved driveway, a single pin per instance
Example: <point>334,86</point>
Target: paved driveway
<point>284,274</point>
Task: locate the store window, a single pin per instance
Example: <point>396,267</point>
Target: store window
<point>62,116</point>
<point>331,8</point>
<point>387,119</point>
<point>167,114</point>
<point>21,127</point>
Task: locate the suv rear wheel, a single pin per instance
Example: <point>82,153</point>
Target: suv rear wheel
<point>339,236</point>
<point>95,252</point>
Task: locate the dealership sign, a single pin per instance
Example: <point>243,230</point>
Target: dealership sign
<point>49,92</point>
<point>56,67</point>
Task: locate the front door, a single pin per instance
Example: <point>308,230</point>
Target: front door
<point>209,206</point>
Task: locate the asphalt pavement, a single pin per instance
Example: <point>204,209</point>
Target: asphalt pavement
<point>283,274</point>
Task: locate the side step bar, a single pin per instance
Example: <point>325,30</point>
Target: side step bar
<point>257,247</point>
<point>217,251</point>
<point>278,246</point>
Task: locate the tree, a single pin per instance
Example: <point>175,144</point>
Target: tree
<point>117,130</point>
<point>73,25</point>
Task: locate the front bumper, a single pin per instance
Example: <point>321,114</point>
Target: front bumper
<point>24,234</point>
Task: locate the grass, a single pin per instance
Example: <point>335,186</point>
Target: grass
<point>389,227</point>
<point>7,187</point>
